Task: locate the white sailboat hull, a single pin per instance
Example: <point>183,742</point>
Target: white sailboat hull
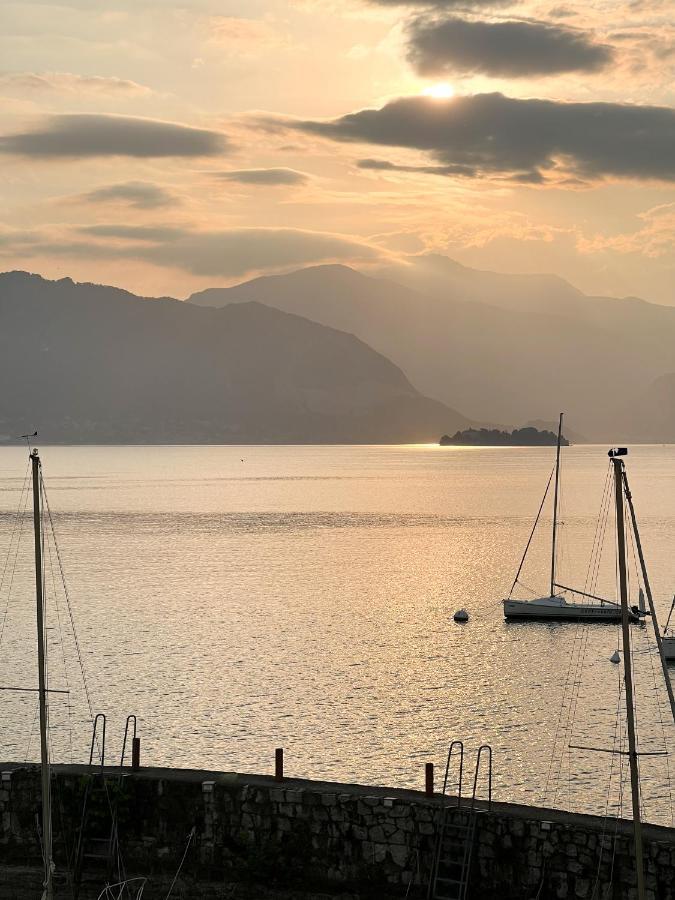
<point>558,609</point>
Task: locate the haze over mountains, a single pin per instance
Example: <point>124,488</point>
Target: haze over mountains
<point>324,354</point>
<point>504,349</point>
<point>83,362</point>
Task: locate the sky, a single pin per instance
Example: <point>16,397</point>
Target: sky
<point>168,146</point>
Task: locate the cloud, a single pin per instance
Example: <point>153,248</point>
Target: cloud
<point>88,135</point>
<point>507,49</point>
<point>228,253</point>
<point>383,165</point>
<point>152,233</point>
<point>138,194</point>
<point>68,82</point>
<point>242,250</point>
<point>265,176</point>
<point>494,134</point>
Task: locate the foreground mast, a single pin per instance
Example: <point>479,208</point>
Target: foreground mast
<point>627,666</point>
<point>650,599</point>
<point>42,686</point>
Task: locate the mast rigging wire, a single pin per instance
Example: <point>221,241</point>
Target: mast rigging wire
<point>534,528</point>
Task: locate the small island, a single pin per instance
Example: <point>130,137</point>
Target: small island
<point>492,437</point>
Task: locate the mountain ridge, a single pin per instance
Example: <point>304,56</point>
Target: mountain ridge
<point>512,359</point>
<point>108,366</point>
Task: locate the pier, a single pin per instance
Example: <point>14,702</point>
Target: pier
<point>243,835</point>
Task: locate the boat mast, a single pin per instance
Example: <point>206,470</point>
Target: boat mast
<point>555,505</point>
<point>628,673</point>
<point>42,688</point>
<point>648,591</point>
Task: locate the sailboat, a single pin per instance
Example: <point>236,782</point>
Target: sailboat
<point>555,606</point>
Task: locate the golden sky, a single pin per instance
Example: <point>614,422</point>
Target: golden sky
<point>168,146</point>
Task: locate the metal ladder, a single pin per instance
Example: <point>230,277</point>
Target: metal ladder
<point>454,843</point>
<point>100,850</point>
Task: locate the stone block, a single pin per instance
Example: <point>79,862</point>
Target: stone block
<point>399,855</point>
<point>400,812</point>
<point>377,834</point>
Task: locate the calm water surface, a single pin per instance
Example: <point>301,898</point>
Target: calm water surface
<point>237,599</point>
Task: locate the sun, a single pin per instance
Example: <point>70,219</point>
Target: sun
<point>440,91</point>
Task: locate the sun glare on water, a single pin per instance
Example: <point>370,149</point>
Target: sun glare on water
<point>441,91</point>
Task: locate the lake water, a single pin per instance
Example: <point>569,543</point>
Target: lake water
<point>237,599</point>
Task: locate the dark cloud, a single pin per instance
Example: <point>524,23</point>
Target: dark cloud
<point>150,233</point>
<point>265,176</point>
<point>508,49</point>
<point>384,165</point>
<point>76,136</point>
<point>139,194</point>
<point>496,134</point>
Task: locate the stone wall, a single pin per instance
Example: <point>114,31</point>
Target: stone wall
<point>320,837</point>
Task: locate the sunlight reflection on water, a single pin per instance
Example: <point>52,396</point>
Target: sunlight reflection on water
<point>242,598</point>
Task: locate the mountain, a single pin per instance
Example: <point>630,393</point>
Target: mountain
<point>510,348</point>
<point>92,363</point>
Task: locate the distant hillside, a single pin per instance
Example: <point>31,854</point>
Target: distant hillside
<point>655,412</point>
<point>510,348</point>
<point>90,363</point>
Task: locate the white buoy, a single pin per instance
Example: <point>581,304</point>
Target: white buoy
<point>615,658</point>
<point>461,616</point>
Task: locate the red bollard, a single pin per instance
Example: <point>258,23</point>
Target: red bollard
<point>135,754</point>
<point>279,764</point>
<point>429,779</point>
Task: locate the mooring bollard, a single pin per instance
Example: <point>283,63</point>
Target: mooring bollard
<point>429,779</point>
<point>279,764</point>
<point>135,754</point>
